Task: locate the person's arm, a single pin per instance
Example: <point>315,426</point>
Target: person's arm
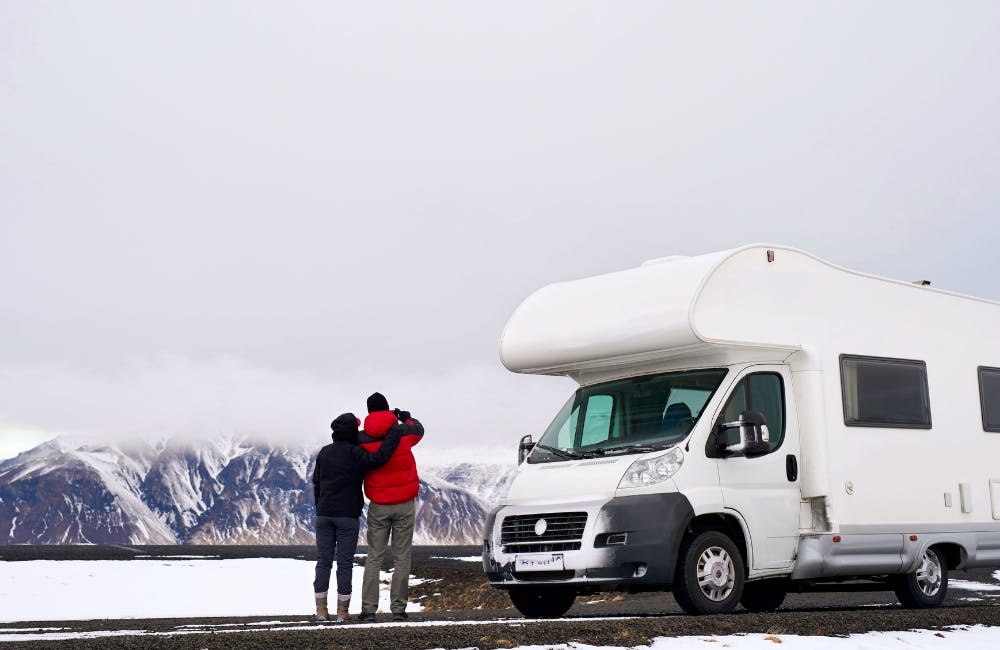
<point>409,427</point>
<point>379,458</point>
<point>316,480</point>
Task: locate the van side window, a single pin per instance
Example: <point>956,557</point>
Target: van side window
<point>989,397</point>
<point>882,392</point>
<point>762,392</point>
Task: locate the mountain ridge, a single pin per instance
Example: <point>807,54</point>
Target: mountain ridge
<point>226,490</point>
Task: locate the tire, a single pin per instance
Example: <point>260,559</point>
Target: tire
<point>764,595</point>
<point>927,586</point>
<point>542,602</point>
<point>710,574</point>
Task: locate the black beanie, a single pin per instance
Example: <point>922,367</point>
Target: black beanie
<point>377,402</point>
<point>345,427</point>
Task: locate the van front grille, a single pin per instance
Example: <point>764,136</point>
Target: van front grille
<point>561,529</point>
<point>542,547</point>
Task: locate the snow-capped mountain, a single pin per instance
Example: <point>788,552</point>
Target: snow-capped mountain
<point>488,481</point>
<point>229,490</point>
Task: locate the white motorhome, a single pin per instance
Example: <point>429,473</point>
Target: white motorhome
<point>751,422</point>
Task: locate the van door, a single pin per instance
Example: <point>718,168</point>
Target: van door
<point>763,489</point>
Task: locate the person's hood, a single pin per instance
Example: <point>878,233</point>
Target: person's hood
<point>377,424</point>
<point>345,427</point>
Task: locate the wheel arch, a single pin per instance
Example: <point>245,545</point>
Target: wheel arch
<point>729,523</point>
<point>954,550</point>
<point>953,553</point>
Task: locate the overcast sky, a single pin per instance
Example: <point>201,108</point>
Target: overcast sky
<point>245,217</point>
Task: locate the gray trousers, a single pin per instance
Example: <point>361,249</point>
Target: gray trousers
<point>396,519</point>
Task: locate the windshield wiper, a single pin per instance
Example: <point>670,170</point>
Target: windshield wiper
<point>628,449</point>
<point>562,453</point>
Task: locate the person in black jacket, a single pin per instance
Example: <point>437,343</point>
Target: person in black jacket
<point>337,478</point>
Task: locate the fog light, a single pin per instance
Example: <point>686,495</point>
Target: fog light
<point>640,570</point>
<point>617,539</point>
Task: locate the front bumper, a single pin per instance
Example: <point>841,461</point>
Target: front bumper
<point>651,526</point>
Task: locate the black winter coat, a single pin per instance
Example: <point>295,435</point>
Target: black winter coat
<point>339,472</point>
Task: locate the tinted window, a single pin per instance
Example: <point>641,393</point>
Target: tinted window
<point>761,392</point>
<point>686,402</point>
<point>989,397</point>
<point>885,392</point>
<point>597,422</point>
<point>568,416</point>
<point>767,397</point>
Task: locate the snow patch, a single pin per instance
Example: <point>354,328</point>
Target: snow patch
<point>972,585</point>
<point>977,637</point>
<point>178,631</point>
<point>68,636</point>
<point>123,589</point>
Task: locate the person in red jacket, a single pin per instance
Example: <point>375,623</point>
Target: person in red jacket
<point>392,491</point>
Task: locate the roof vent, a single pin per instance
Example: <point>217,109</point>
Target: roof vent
<point>922,283</point>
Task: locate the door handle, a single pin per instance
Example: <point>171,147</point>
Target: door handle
<point>791,467</point>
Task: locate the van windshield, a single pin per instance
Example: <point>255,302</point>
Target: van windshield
<point>628,416</point>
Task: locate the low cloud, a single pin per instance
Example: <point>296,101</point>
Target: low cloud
<point>170,395</point>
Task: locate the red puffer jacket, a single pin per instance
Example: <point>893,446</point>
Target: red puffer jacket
<point>397,480</point>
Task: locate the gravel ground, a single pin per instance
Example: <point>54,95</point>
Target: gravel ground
<point>468,613</point>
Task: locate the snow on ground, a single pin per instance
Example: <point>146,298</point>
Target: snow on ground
<point>276,626</point>
<point>92,589</point>
<point>976,637</point>
<point>972,585</point>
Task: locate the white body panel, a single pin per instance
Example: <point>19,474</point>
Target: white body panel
<point>552,482</point>
<point>797,314</point>
<point>759,490</point>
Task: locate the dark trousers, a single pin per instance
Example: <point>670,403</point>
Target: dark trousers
<point>335,535</point>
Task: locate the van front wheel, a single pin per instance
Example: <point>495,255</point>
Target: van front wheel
<point>543,602</point>
<point>927,586</point>
<point>710,574</point>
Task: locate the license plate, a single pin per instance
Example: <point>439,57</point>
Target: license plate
<point>539,562</point>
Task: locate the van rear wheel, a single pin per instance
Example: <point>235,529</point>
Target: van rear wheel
<point>542,602</point>
<point>927,586</point>
<point>764,595</point>
<point>710,574</point>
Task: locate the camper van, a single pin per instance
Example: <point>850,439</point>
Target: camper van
<point>748,423</point>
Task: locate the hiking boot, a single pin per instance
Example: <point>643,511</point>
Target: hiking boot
<point>399,616</point>
<point>366,617</point>
<point>322,614</point>
<point>342,610</point>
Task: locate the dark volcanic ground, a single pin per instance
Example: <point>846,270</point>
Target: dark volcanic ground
<point>468,613</point>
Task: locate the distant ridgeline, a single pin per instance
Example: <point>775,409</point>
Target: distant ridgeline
<point>225,491</point>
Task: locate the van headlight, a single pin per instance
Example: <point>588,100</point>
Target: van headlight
<point>650,471</point>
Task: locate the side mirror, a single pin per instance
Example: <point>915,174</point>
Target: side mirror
<point>755,438</point>
<point>524,448</point>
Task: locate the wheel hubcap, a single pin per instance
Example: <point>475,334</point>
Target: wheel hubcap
<point>929,573</point>
<point>716,575</point>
